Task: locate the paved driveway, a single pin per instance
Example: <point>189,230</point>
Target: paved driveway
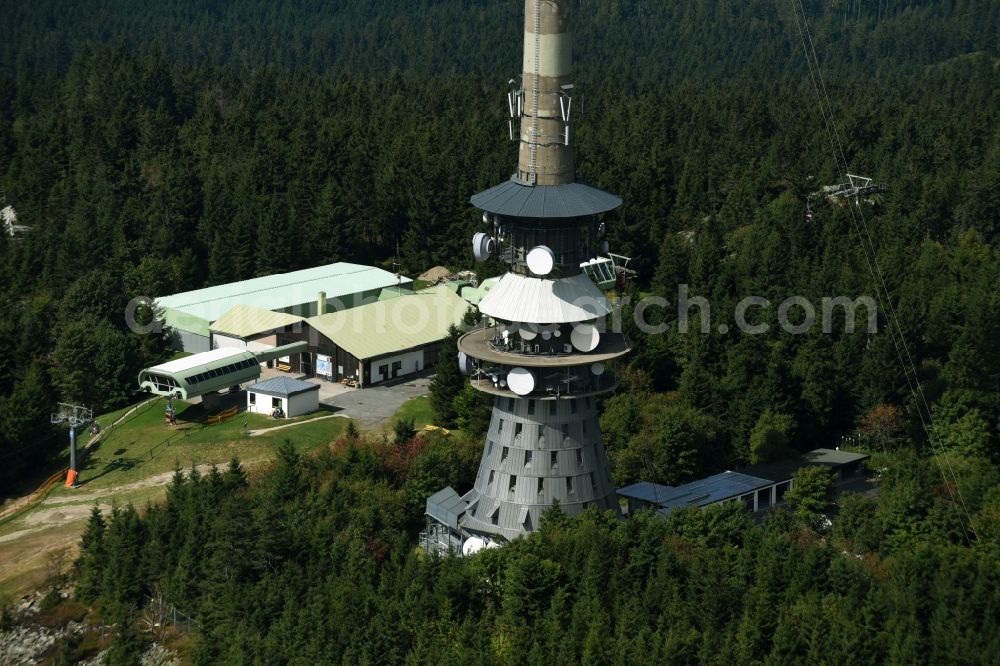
<point>373,407</point>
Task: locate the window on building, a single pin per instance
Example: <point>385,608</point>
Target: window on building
<point>569,485</point>
<point>554,459</point>
<point>565,429</point>
<point>489,481</point>
<point>593,483</point>
<point>489,448</point>
<point>275,402</point>
<point>541,485</point>
<point>528,456</point>
<point>495,516</point>
<point>518,427</point>
<point>253,398</point>
<point>512,483</point>
<point>384,370</point>
<point>503,453</point>
<point>500,426</point>
<point>579,457</point>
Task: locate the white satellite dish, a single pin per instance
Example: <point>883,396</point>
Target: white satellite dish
<point>546,334</point>
<point>527,331</point>
<point>473,545</point>
<point>585,337</point>
<point>541,260</point>
<point>557,333</point>
<point>465,364</point>
<point>521,381</point>
<point>482,246</point>
<point>597,369</point>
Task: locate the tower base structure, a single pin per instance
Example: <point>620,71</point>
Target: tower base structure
<point>538,451</point>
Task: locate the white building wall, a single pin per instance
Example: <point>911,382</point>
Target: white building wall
<point>411,362</point>
<point>302,403</point>
<point>220,341</point>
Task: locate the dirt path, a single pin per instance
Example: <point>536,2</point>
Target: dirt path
<point>54,526</point>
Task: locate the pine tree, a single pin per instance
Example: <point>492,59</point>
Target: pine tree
<point>448,381</point>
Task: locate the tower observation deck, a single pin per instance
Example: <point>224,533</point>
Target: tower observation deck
<point>546,352</point>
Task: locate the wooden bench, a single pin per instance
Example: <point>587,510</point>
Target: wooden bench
<point>284,367</point>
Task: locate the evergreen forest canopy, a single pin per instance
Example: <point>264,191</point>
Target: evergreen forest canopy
<point>163,147</point>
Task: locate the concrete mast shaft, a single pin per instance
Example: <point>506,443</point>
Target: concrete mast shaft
<point>544,158</point>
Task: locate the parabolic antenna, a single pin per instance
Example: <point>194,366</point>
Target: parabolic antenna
<point>521,381</point>
<point>465,364</point>
<point>482,246</point>
<point>473,545</point>
<point>541,260</point>
<point>527,331</point>
<point>597,369</point>
<point>546,334</point>
<point>585,337</point>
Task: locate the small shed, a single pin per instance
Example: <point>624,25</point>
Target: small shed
<point>292,396</point>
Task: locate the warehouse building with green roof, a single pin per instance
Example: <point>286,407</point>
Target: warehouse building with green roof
<point>304,293</point>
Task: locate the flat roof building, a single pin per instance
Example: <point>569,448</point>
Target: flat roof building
<point>759,487</point>
<point>304,293</point>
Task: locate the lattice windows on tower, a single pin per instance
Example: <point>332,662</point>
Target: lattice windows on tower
<point>528,456</point>
<point>541,485</point>
<point>512,483</point>
<point>489,481</point>
<point>504,453</point>
<point>518,429</point>
<point>495,516</point>
<point>593,484</point>
<point>579,457</point>
<point>554,460</point>
<point>569,485</point>
<point>500,426</point>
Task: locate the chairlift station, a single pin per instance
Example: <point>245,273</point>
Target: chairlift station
<point>543,352</point>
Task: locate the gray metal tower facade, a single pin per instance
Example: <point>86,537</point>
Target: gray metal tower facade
<point>544,351</point>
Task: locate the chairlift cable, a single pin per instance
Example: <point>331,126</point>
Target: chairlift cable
<point>874,268</point>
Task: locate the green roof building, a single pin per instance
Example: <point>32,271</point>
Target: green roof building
<point>379,341</point>
<point>304,293</point>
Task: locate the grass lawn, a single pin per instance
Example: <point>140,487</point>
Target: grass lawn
<point>142,446</point>
<point>419,409</point>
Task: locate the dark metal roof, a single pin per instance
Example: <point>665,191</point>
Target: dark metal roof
<point>646,492</point>
<point>514,199</point>
<point>782,470</point>
<point>445,506</point>
<point>716,488</point>
<point>282,387</point>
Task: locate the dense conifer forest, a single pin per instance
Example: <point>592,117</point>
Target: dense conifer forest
<point>162,147</point>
